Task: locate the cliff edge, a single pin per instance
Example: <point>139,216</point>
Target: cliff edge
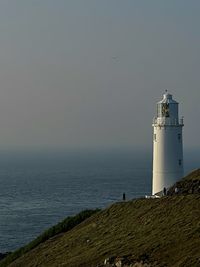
<point>142,232</point>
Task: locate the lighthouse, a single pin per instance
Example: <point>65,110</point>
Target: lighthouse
<point>167,144</point>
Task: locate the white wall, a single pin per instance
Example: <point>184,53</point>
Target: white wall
<point>167,151</point>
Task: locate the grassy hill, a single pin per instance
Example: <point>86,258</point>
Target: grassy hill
<point>142,232</point>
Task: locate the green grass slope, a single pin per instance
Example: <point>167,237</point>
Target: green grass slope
<point>159,232</point>
<point>62,227</point>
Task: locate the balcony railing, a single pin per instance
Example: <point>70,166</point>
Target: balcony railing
<point>167,121</point>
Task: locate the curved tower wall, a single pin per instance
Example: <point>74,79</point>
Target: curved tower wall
<point>167,145</point>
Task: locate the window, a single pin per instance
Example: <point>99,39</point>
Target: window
<point>179,162</point>
<point>165,110</point>
<point>179,137</point>
<point>154,137</point>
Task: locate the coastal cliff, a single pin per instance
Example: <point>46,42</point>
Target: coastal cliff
<point>142,232</point>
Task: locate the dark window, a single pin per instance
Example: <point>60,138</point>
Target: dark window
<point>179,137</point>
<point>165,110</point>
<point>179,162</point>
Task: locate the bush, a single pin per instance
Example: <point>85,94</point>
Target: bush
<point>64,226</point>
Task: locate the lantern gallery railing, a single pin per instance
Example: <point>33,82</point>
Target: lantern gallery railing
<point>167,121</point>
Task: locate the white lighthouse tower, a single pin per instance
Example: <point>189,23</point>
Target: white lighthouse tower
<point>167,144</point>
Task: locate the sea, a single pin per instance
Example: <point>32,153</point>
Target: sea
<point>40,188</point>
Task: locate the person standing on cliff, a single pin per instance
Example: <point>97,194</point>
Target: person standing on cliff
<point>124,196</point>
<point>176,190</point>
<point>164,191</point>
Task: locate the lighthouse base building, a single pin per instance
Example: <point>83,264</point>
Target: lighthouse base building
<point>167,145</point>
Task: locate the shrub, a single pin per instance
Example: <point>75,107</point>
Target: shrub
<point>64,226</point>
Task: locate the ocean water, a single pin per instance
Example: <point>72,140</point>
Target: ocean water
<point>37,190</point>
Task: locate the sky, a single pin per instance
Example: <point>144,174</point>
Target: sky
<point>88,74</point>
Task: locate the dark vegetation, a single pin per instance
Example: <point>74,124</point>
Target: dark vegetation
<point>188,185</point>
<point>3,255</point>
<point>162,232</point>
<point>64,226</point>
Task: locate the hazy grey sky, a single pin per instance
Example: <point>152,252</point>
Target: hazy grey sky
<point>88,73</point>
